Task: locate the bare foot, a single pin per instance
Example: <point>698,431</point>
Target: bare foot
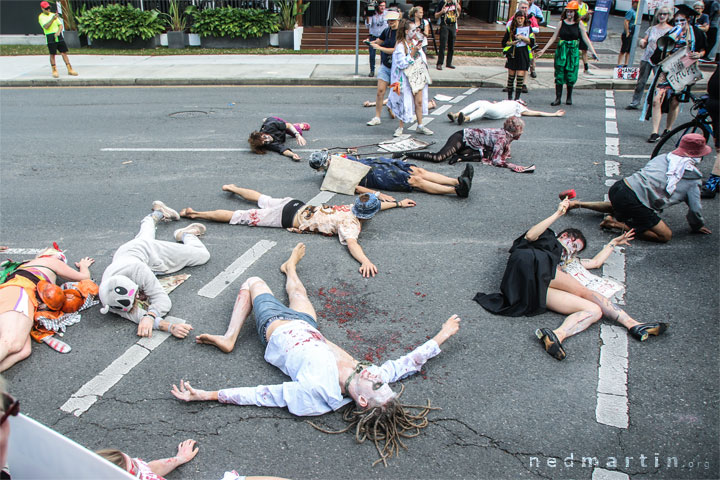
<point>609,222</point>
<point>297,253</point>
<point>224,344</point>
<point>229,187</point>
<point>368,103</point>
<point>187,212</point>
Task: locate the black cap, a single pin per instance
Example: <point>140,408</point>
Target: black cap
<point>685,10</point>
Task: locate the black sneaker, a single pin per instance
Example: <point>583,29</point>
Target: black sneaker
<point>372,73</point>
<point>632,106</point>
<point>469,172</point>
<point>461,118</point>
<point>653,138</point>
<point>533,74</point>
<point>524,89</point>
<point>462,189</point>
<point>398,154</point>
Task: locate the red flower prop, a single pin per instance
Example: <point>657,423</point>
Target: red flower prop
<point>569,194</point>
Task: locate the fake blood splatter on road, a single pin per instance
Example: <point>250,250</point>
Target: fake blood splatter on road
<point>346,306</point>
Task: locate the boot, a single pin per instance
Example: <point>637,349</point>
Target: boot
<point>558,95</point>
<point>568,101</point>
<point>517,94</point>
<point>55,73</point>
<point>510,93</point>
<point>70,70</point>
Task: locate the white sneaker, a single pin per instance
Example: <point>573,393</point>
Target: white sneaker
<point>196,229</point>
<point>423,129</point>
<point>398,132</point>
<point>374,121</point>
<point>168,213</point>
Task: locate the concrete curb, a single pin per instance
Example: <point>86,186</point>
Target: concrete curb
<point>349,82</point>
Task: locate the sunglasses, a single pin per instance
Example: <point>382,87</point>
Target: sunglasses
<point>10,406</point>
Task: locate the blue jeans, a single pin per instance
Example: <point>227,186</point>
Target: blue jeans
<point>267,309</point>
<point>371,51</point>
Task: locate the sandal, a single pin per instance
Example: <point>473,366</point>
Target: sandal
<point>644,330</point>
<point>551,343</point>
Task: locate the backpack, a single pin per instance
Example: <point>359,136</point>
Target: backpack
<point>7,267</point>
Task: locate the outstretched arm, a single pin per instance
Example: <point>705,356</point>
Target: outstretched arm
<point>289,153</point>
<point>404,203</point>
<point>394,370</point>
<point>598,260</point>
<point>186,452</point>
<point>535,232</point>
<point>299,400</point>
<point>383,197</point>
<point>551,41</point>
<point>367,268</point>
<point>585,38</point>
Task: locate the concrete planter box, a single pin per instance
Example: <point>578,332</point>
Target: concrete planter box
<point>135,44</point>
<point>177,40</point>
<point>72,38</point>
<point>290,39</point>
<point>227,42</point>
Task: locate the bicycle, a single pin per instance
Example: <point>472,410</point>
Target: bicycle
<point>699,124</point>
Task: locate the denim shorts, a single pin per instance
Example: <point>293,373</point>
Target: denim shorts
<point>267,309</point>
<point>384,73</point>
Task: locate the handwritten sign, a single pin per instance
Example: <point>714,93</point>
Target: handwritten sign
<point>626,73</point>
<point>680,70</point>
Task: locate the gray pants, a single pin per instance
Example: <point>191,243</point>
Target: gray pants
<point>646,69</point>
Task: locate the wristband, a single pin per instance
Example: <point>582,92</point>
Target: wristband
<point>397,204</point>
<point>156,324</point>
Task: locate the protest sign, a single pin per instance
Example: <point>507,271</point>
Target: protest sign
<point>680,69</point>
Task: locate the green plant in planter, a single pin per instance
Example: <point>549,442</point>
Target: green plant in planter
<point>120,22</point>
<point>234,22</point>
<point>289,10</point>
<point>175,18</point>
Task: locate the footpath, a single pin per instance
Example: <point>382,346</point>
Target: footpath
<point>296,69</point>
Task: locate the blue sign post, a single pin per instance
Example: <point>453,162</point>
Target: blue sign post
<point>598,27</point>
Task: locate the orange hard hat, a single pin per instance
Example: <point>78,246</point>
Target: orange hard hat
<point>51,295</point>
<point>73,300</point>
<point>573,5</point>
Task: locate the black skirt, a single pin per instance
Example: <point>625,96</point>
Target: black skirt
<point>528,273</point>
<point>518,58</point>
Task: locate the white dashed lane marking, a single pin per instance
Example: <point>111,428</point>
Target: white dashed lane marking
<point>612,401</point>
<point>235,269</point>
<point>81,401</point>
<point>441,110</point>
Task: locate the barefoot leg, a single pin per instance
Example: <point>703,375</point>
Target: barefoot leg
<point>240,312</point>
<point>223,216</point>
<point>246,193</point>
<point>295,289</point>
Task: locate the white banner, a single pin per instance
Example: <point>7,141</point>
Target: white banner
<point>36,451</point>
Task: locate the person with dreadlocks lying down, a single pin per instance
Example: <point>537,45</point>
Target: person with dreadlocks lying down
<point>324,377</point>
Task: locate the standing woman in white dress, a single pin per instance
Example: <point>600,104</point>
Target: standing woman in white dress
<point>408,55</point>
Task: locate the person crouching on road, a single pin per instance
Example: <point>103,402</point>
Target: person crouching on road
<point>53,28</point>
<point>635,201</point>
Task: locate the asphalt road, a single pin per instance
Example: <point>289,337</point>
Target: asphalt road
<point>508,409</point>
